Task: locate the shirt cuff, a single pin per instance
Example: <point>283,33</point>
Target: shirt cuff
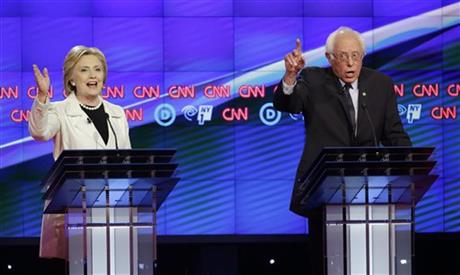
<point>41,106</point>
<point>288,89</point>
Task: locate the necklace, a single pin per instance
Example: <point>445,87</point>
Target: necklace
<point>91,108</point>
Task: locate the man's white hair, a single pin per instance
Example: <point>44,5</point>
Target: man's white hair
<point>330,42</point>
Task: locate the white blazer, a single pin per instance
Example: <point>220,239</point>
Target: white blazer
<point>70,128</point>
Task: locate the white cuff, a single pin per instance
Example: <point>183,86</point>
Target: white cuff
<point>42,105</point>
<point>288,89</point>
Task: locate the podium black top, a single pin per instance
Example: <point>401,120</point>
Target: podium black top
<point>138,174</point>
<point>383,154</point>
<point>124,156</point>
<point>347,175</point>
<point>375,153</point>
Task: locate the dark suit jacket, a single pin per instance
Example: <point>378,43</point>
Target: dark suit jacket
<point>318,95</point>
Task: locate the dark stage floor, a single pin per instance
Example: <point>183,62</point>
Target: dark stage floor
<point>436,254</point>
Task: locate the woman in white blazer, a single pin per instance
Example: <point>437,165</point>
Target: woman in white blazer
<point>84,120</point>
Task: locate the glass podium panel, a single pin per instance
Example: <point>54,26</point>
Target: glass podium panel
<point>368,239</point>
<point>403,251</point>
<point>335,242</point>
<point>110,198</point>
<point>120,243</point>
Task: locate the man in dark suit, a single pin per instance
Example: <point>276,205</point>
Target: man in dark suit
<point>343,105</point>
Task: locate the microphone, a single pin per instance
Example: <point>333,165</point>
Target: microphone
<point>364,106</point>
<point>113,131</point>
<point>89,120</point>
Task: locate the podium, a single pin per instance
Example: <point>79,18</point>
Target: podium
<point>368,197</point>
<point>110,199</point>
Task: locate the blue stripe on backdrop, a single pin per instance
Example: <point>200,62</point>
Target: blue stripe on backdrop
<point>204,153</point>
<point>430,211</point>
<point>268,153</point>
<point>452,178</point>
<point>262,208</point>
<point>202,207</point>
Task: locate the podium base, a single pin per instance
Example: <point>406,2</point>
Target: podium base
<point>369,239</point>
<point>110,242</point>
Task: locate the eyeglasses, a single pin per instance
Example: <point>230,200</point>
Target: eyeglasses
<point>344,57</point>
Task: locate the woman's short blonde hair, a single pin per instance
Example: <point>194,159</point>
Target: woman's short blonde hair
<point>72,58</point>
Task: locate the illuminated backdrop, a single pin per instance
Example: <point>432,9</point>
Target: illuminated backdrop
<point>198,75</point>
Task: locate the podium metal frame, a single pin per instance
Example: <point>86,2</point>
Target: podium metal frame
<point>110,199</point>
<point>368,196</point>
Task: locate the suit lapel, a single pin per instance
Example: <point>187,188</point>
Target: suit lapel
<point>333,86</point>
<point>362,97</point>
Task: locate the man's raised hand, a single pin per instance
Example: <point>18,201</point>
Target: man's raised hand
<point>293,62</point>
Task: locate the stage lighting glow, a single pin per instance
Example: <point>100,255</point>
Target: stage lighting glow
<point>10,267</point>
<point>272,261</point>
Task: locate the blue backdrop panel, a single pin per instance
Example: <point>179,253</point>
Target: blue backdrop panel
<point>130,44</point>
<point>182,8</point>
<point>254,46</point>
<point>10,44</point>
<point>265,203</point>
<point>209,44</point>
<point>199,76</point>
<point>202,207</point>
<point>268,8</point>
<point>353,8</point>
<point>404,8</point>
<point>42,36</point>
<point>104,8</point>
